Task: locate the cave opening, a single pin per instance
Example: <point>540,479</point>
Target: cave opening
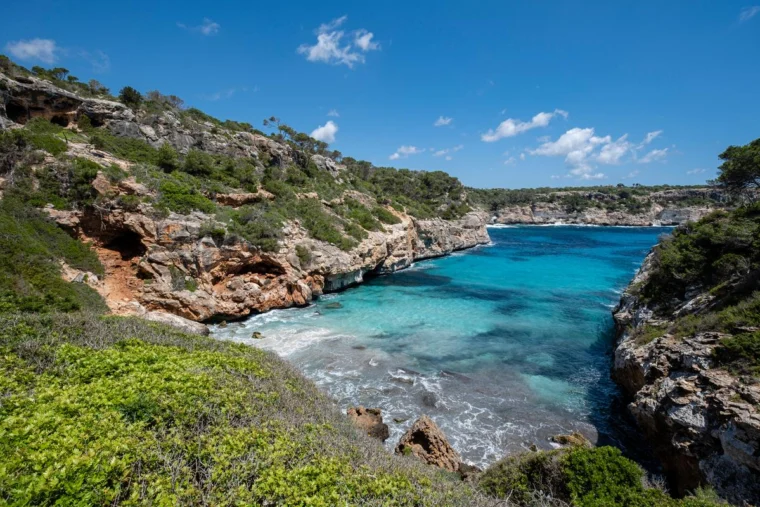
<point>127,244</point>
<point>16,112</point>
<point>60,119</point>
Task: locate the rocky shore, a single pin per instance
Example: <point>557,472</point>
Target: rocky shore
<point>702,420</point>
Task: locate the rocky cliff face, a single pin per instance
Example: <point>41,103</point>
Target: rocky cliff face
<point>167,263</point>
<point>703,421</point>
<point>665,210</point>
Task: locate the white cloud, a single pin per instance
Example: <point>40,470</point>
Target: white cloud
<point>449,157</point>
<point>653,156</point>
<point>631,175</point>
<point>363,40</point>
<point>208,27</point>
<point>447,151</point>
<point>748,13</point>
<point>522,156</point>
<point>330,48</point>
<point>577,146</point>
<point>44,50</point>
<point>651,136</point>
<point>510,161</point>
<point>612,153</point>
<point>333,112</point>
<point>405,151</point>
<point>326,132</point>
<point>442,121</point>
<point>696,171</point>
<point>511,127</point>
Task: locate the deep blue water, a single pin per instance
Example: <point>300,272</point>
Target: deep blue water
<point>503,345</point>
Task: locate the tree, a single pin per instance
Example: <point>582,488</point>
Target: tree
<point>130,97</point>
<point>96,88</point>
<point>59,73</point>
<point>740,170</point>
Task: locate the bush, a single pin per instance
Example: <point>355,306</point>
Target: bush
<point>385,216</point>
<point>213,230</point>
<point>109,411</point>
<point>167,158</point>
<point>740,353</point>
<point>304,254</point>
<point>259,225</point>
<point>130,97</point>
<point>134,150</point>
<point>198,163</point>
<point>30,276</point>
<point>182,198</point>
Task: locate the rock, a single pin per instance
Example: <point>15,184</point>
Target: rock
<point>257,335</point>
<point>399,420</point>
<point>468,473</point>
<point>240,199</point>
<point>574,439</point>
<point>223,323</point>
<point>369,420</point>
<point>181,323</point>
<point>425,441</point>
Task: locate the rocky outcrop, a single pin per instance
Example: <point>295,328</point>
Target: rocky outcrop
<point>25,98</point>
<point>370,421</point>
<point>426,442</point>
<point>703,422</point>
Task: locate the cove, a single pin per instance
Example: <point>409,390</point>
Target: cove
<point>503,345</point>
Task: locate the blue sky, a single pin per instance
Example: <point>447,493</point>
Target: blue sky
<point>525,94</point>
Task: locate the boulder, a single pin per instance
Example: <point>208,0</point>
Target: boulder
<point>574,439</point>
<point>181,323</point>
<point>425,441</point>
<point>369,420</point>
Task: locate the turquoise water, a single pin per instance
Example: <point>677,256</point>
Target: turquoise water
<point>503,345</point>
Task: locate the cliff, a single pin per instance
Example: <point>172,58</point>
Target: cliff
<point>687,326</point>
<point>176,205</point>
<point>604,205</point>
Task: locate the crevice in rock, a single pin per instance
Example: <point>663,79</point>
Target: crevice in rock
<point>127,244</point>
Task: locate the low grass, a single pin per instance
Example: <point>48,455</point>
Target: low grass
<point>118,411</point>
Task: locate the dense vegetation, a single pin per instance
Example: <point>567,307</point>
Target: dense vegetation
<point>586,477</point>
<point>634,199</point>
<point>719,255</point>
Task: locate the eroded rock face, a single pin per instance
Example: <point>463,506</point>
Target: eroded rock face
<point>669,207</point>
<point>369,420</point>
<point>425,441</point>
<point>703,422</point>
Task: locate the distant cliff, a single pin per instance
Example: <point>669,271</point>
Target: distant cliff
<point>688,353</point>
<point>606,205</point>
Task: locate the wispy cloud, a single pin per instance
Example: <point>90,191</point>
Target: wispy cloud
<point>512,127</point>
<point>748,13</point>
<point>98,59</point>
<point>228,93</point>
<point>333,112</point>
<point>653,156</point>
<point>448,152</point>
<point>331,49</point>
<point>631,175</point>
<point>443,121</point>
<point>326,132</point>
<point>404,152</point>
<point>208,27</point>
<point>44,50</point>
<point>697,171</point>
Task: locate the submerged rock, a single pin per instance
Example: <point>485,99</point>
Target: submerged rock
<point>369,420</point>
<point>333,306</point>
<point>257,335</point>
<point>425,441</point>
<point>574,439</point>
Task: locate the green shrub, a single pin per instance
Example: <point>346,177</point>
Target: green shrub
<point>114,173</point>
<point>42,125</point>
<point>304,254</point>
<point>30,277</point>
<point>198,163</point>
<point>362,215</point>
<point>167,158</point>
<point>110,411</point>
<point>134,150</point>
<point>259,225</point>
<point>740,353</point>
<point>182,198</point>
<point>130,97</point>
<point>385,216</point>
<point>128,202</point>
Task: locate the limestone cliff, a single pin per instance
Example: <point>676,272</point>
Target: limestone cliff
<point>702,419</point>
<point>669,207</point>
<point>170,262</point>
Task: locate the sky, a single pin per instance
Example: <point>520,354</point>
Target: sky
<point>500,94</point>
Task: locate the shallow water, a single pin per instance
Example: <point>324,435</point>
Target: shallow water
<point>503,345</point>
